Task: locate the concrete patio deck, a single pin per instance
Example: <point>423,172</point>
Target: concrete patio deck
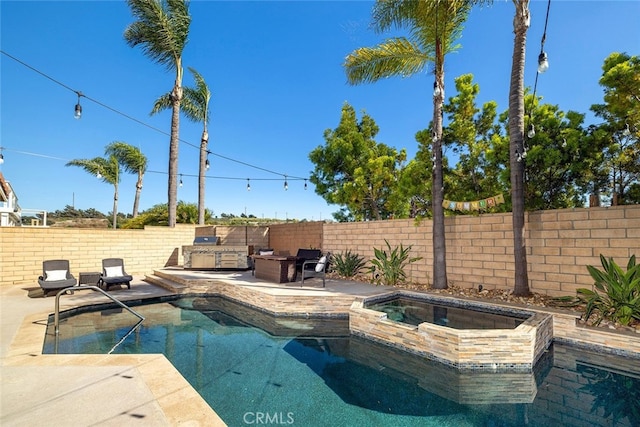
<point>144,390</point>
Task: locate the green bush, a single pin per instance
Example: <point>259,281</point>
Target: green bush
<point>388,267</point>
<point>616,296</point>
<point>347,264</point>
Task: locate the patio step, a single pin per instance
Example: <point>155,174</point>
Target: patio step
<point>165,283</point>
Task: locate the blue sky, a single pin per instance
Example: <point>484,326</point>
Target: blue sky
<point>275,71</point>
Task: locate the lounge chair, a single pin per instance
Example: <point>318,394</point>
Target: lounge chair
<point>113,273</point>
<point>56,275</point>
<point>316,268</point>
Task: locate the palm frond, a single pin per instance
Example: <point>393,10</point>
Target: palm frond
<point>129,156</point>
<point>393,57</point>
<point>161,29</point>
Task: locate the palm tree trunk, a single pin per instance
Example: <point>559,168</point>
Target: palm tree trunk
<point>173,154</point>
<point>136,199</point>
<point>516,138</point>
<point>437,189</point>
<point>115,206</point>
<point>201,176</point>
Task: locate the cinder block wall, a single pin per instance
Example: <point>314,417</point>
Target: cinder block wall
<point>560,244</point>
<point>24,248</point>
<point>289,237</point>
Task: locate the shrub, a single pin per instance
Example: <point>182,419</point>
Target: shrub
<point>388,268</point>
<point>616,296</point>
<point>347,264</point>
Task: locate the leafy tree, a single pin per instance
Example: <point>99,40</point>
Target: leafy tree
<point>471,133</point>
<point>133,161</point>
<point>161,29</point>
<point>106,169</point>
<point>557,158</point>
<point>621,129</point>
<point>434,26</point>
<point>354,171</point>
<point>158,215</point>
<point>195,106</point>
<point>521,23</point>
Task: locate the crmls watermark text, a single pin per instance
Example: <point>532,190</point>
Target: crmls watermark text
<point>280,418</point>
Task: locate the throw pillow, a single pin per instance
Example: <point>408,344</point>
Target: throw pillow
<point>53,275</point>
<point>113,271</point>
<point>320,264</point>
<point>266,252</point>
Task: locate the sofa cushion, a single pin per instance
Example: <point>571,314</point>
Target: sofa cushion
<point>113,271</point>
<point>55,275</point>
<point>320,265</point>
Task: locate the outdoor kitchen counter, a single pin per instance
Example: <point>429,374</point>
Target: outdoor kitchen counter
<point>210,257</point>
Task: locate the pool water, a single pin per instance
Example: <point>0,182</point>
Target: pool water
<point>414,312</point>
<point>253,368</point>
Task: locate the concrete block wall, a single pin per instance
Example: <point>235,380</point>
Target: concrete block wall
<point>289,237</point>
<point>24,248</point>
<point>560,244</point>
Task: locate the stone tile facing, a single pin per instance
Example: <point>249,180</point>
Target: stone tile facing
<point>476,349</point>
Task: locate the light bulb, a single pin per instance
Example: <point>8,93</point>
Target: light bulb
<point>99,175</point>
<point>2,159</point>
<point>207,164</point>
<point>436,89</point>
<point>305,184</point>
<point>532,132</point>
<point>248,185</point>
<point>78,111</point>
<point>543,63</point>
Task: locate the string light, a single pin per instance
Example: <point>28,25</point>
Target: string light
<point>248,185</point>
<point>286,185</point>
<point>436,89</point>
<point>180,180</point>
<point>543,62</point>
<point>2,160</point>
<point>78,113</point>
<point>305,184</point>
<point>78,110</point>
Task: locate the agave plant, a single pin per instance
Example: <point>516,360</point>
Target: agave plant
<point>616,294</point>
<point>388,267</point>
<point>348,264</point>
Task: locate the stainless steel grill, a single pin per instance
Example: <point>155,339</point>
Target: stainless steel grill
<point>205,240</point>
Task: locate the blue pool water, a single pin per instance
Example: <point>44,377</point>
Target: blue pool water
<point>256,369</point>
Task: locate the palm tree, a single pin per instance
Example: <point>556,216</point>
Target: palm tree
<point>195,106</point>
<point>161,28</point>
<point>106,169</point>
<point>133,161</point>
<point>434,26</point>
<point>516,144</point>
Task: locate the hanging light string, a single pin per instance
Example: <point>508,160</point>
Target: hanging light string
<point>80,94</point>
<point>543,65</point>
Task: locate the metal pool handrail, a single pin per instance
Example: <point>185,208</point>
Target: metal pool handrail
<point>56,315</point>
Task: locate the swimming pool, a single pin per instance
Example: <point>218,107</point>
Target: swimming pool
<point>254,368</point>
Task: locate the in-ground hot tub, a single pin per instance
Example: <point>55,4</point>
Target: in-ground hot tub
<point>461,333</point>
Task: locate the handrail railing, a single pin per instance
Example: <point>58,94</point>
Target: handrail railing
<point>56,315</point>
